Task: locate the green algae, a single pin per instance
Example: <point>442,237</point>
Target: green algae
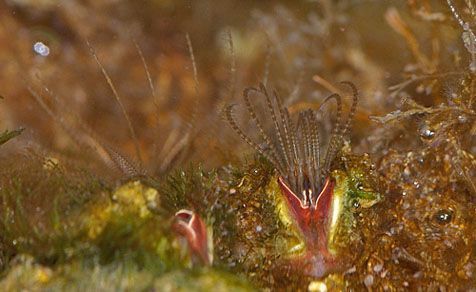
<point>109,234</point>
<point>125,275</point>
<point>38,200</point>
<point>8,135</point>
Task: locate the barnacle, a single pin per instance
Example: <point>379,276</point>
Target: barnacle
<point>168,149</point>
<point>314,198</point>
<point>295,149</point>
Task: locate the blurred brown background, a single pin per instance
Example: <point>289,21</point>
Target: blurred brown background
<point>303,41</point>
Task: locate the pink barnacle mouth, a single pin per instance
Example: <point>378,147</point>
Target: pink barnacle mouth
<point>312,220</point>
<point>189,225</point>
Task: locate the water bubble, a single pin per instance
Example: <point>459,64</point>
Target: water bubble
<point>378,268</point>
<point>255,171</point>
<point>41,49</point>
<point>369,280</point>
<point>416,184</point>
<point>443,216</point>
<point>462,119</point>
<point>418,275</point>
<point>426,132</point>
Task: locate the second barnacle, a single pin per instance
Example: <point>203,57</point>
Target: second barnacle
<point>318,190</point>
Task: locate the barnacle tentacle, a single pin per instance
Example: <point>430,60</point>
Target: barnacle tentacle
<point>118,100</point>
<point>233,76</point>
<point>353,107</point>
<point>335,136</point>
<point>279,131</point>
<point>341,129</point>
<point>228,112</point>
<point>87,137</point>
<point>316,150</point>
<point>252,112</point>
<point>295,149</point>
<point>290,139</point>
<point>304,123</point>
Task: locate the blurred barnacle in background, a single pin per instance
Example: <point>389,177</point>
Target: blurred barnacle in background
<point>78,221</point>
<point>108,219</point>
<point>64,29</point>
<point>120,226</point>
<point>170,148</point>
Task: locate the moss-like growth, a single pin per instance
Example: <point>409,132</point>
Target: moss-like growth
<point>124,233</point>
<point>38,200</point>
<point>124,275</point>
<point>8,135</point>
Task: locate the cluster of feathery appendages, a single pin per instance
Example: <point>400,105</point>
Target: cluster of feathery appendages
<point>294,148</point>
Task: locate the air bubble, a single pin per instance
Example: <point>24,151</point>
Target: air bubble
<point>378,268</point>
<point>416,184</point>
<point>443,216</point>
<point>41,49</point>
<point>426,132</point>
<point>472,66</point>
<point>369,281</point>
<point>462,119</point>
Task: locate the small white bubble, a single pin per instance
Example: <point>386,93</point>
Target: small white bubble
<point>416,184</point>
<point>426,132</point>
<point>472,66</point>
<point>259,228</point>
<point>462,119</point>
<point>41,49</point>
<point>368,281</point>
<point>378,268</point>
<point>418,275</point>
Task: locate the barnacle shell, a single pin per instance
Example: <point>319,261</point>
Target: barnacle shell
<point>327,230</point>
